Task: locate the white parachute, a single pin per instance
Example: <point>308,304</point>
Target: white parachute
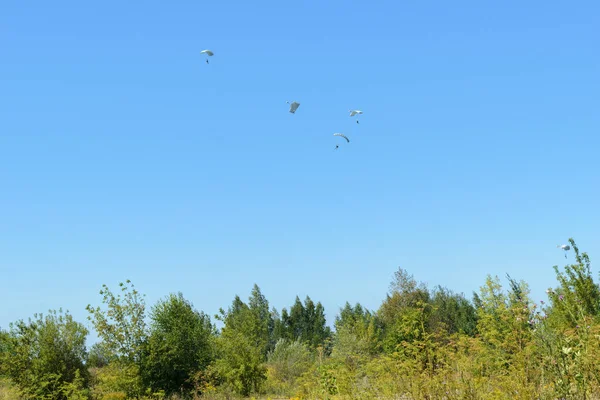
<point>355,112</point>
<point>342,135</point>
<point>293,106</point>
<point>208,53</point>
<point>565,247</point>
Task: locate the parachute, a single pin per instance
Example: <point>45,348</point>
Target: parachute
<point>344,136</point>
<point>355,112</point>
<point>565,247</point>
<point>208,53</point>
<point>293,106</point>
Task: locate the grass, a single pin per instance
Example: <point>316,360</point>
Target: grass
<point>8,391</point>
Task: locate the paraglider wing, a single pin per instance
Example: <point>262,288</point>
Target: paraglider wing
<point>565,247</point>
<point>354,112</point>
<point>207,52</point>
<point>293,106</point>
<point>344,136</point>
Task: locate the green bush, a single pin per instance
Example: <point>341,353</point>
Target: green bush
<point>45,356</point>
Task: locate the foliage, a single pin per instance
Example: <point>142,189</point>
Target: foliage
<point>452,313</point>
<point>179,345</point>
<point>577,292</point>
<point>98,356</point>
<point>45,356</point>
<point>305,322</point>
<point>8,390</point>
<point>240,361</point>
<point>121,327</point>
<point>122,330</point>
<point>118,380</point>
<point>286,363</point>
<point>262,319</point>
<point>419,344</point>
<point>357,332</point>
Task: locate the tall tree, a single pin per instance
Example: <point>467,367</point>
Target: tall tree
<point>305,322</point>
<point>405,311</point>
<point>452,313</point>
<point>179,345</point>
<point>278,331</point>
<point>296,319</point>
<point>259,306</point>
<point>321,332</point>
<point>503,320</point>
<point>121,326</point>
<point>308,330</point>
<point>577,293</point>
<point>356,332</point>
<point>241,347</point>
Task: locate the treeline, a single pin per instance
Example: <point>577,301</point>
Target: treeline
<point>421,343</point>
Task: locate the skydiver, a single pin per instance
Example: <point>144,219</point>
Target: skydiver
<point>207,60</point>
<point>337,146</point>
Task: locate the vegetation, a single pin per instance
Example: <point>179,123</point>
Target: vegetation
<point>420,344</point>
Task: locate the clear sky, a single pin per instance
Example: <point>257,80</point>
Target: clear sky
<point>123,155</point>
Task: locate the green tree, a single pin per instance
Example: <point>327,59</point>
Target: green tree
<point>357,332</point>
<point>284,325</point>
<point>321,333</point>
<point>305,322</point>
<point>577,294</point>
<point>296,321</point>
<point>45,356</point>
<point>122,330</point>
<point>405,312</point>
<point>408,290</point>
<point>452,313</point>
<point>97,356</point>
<point>179,345</point>
<point>278,331</point>
<point>241,344</point>
<point>310,313</point>
<point>121,327</point>
<point>504,322</point>
<point>259,306</point>
<point>5,341</point>
<point>286,363</point>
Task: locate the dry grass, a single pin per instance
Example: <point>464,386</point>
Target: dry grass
<point>8,391</point>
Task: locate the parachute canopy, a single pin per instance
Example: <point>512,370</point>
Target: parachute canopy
<point>565,247</point>
<point>344,136</point>
<point>207,52</point>
<point>354,112</point>
<point>293,106</point>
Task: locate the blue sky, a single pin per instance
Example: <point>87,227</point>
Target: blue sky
<point>124,156</point>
